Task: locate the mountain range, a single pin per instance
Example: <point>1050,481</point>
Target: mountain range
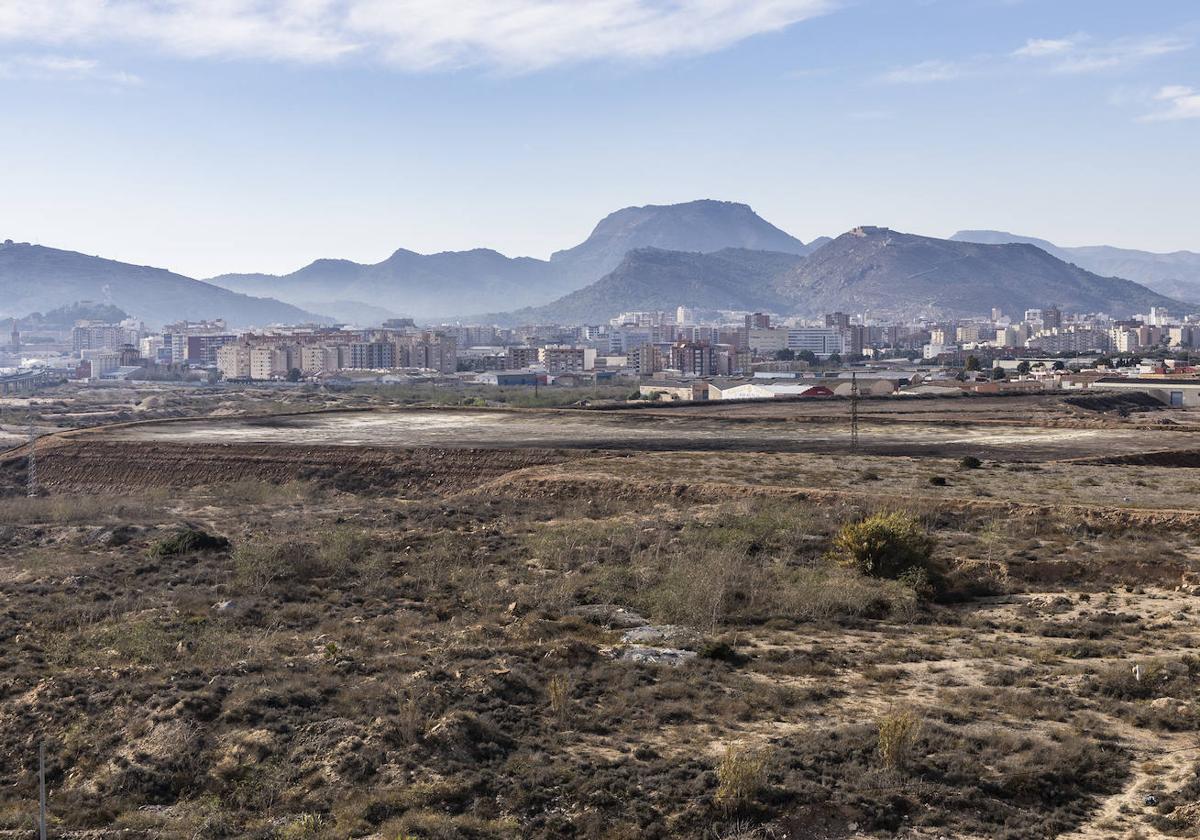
<point>1176,274</point>
<point>708,254</point>
<point>481,280</point>
<point>37,279</point>
<point>872,270</point>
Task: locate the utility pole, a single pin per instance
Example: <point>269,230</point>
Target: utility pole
<point>42,791</point>
<point>853,412</point>
<point>31,470</point>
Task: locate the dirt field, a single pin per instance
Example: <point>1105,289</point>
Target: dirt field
<point>467,639</point>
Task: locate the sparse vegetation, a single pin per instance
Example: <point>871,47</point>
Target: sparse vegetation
<point>438,652</point>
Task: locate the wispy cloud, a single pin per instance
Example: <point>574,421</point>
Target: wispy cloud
<point>513,35</point>
<point>1040,47</point>
<point>925,71</point>
<point>60,67</point>
<point>1082,54</point>
<point>1182,103</point>
<point>1077,54</point>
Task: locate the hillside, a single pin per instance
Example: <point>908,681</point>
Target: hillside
<point>902,275</point>
<point>436,285</point>
<point>36,279</point>
<point>1176,274</point>
<point>652,278</point>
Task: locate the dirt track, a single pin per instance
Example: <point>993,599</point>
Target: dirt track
<point>953,435</point>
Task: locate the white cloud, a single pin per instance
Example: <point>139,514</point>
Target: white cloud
<point>925,71</point>
<point>1039,47</point>
<point>1183,104</point>
<point>515,35</point>
<point>60,67</point>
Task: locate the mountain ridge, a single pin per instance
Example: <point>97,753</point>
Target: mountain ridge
<point>1172,273</point>
<point>35,278</point>
<point>479,279</point>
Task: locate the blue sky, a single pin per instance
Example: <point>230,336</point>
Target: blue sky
<point>256,135</point>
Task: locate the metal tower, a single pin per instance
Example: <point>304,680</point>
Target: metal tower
<point>31,470</point>
<point>853,412</point>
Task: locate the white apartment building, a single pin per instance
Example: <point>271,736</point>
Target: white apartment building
<point>233,361</point>
<point>268,363</point>
<point>823,342</point>
<point>767,340</point>
<point>562,359</point>
<point>319,358</point>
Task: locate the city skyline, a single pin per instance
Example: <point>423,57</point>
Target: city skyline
<point>260,136</point>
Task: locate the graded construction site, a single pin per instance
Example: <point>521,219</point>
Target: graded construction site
<point>702,621</point>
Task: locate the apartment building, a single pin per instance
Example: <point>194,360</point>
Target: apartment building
<point>562,359</point>
<point>373,355</point>
<point>98,335</point>
<point>233,361</point>
<point>694,358</point>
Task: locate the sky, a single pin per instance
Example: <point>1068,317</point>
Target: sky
<point>211,136</point>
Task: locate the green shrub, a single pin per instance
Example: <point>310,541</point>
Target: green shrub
<point>970,462</point>
<point>885,545</point>
<point>187,541</point>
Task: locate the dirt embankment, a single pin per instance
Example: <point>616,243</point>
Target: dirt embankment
<point>97,466</point>
<point>536,484</point>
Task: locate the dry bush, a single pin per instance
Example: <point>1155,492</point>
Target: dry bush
<point>898,730</point>
<point>828,593</point>
<point>741,777</point>
<point>67,510</point>
<point>338,555</point>
<point>884,545</point>
<point>558,693</point>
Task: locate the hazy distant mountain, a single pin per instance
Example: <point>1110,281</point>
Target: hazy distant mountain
<point>698,226</point>
<point>651,278</point>
<point>873,270</point>
<point>1176,274</point>
<point>429,285</point>
<point>899,274</point>
<point>407,283</point>
<point>36,279</point>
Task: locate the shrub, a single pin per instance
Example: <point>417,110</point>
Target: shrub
<point>937,480</point>
<point>884,545</point>
<point>897,732</point>
<point>186,541</point>
<point>741,776</point>
<point>970,462</point>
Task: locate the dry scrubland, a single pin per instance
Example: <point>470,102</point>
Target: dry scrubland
<point>651,645</point>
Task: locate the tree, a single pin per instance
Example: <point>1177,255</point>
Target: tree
<point>972,363</point>
<point>785,355</point>
<point>997,373</point>
<point>807,356</point>
<point>1104,361</point>
<point>1058,365</point>
<point>1023,368</point>
<point>294,375</point>
<point>835,359</point>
